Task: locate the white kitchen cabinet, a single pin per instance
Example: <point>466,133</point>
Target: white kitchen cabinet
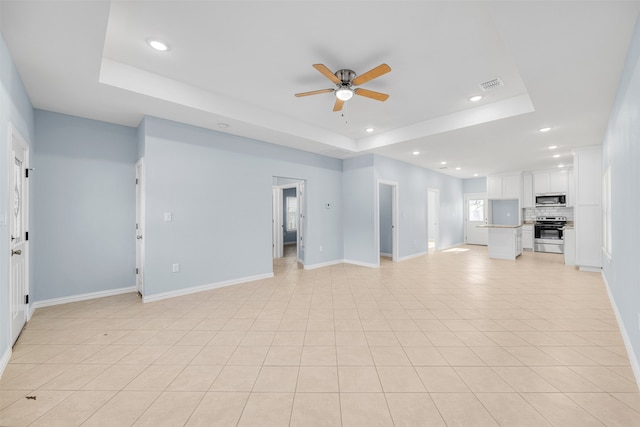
<point>569,246</point>
<point>571,189</point>
<point>527,237</point>
<point>505,186</point>
<point>527,191</point>
<point>587,169</point>
<point>553,181</point>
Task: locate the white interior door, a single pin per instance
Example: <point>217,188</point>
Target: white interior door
<point>475,213</point>
<point>301,192</point>
<point>276,223</point>
<point>140,227</point>
<point>18,226</point>
<point>433,218</point>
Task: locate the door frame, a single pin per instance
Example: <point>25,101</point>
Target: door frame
<point>277,221</point>
<point>140,225</point>
<point>394,219</point>
<point>436,192</point>
<point>16,139</point>
<point>465,214</point>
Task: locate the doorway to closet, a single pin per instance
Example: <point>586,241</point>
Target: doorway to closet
<point>288,218</point>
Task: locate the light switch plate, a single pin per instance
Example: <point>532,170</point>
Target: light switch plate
<point>168,217</point>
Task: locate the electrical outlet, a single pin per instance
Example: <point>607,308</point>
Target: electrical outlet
<point>175,268</point>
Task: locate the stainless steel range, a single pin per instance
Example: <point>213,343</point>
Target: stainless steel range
<point>549,234</point>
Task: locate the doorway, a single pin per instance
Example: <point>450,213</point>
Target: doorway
<point>387,229</point>
<point>475,214</point>
<point>140,227</point>
<point>288,218</point>
<point>433,219</point>
<point>18,226</point>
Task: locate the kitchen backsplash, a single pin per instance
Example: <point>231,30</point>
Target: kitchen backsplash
<point>530,214</point>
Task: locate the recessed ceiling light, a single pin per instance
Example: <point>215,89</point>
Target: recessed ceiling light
<point>555,156</point>
<point>560,166</point>
<point>223,125</point>
<point>475,98</point>
<point>553,147</point>
<point>158,45</point>
<point>545,129</point>
<point>458,168</point>
<point>415,153</point>
<point>443,163</point>
<point>475,174</point>
<point>369,130</point>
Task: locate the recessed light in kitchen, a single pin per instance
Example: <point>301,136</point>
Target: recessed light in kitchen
<point>555,156</point>
<point>560,166</point>
<point>443,163</point>
<point>543,130</point>
<point>158,45</point>
<point>552,147</point>
<point>475,98</point>
<point>415,153</point>
<point>369,130</point>
<point>458,168</point>
<point>475,174</point>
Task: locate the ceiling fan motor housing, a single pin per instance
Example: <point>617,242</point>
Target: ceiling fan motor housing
<point>345,76</point>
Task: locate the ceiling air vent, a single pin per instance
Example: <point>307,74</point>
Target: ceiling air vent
<point>491,84</point>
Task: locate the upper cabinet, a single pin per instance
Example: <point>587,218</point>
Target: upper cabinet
<point>551,181</point>
<point>528,200</point>
<point>505,186</point>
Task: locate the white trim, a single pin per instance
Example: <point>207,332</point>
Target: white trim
<point>141,230</point>
<point>290,243</point>
<point>83,297</point>
<point>323,264</point>
<point>590,269</point>
<point>633,358</point>
<point>386,255</point>
<point>362,264</point>
<point>395,220</point>
<point>4,361</point>
<point>419,254</point>
<point>196,289</point>
<point>436,191</point>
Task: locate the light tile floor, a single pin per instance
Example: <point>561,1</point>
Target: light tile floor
<point>447,339</point>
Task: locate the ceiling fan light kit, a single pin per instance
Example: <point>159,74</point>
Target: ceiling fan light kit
<point>345,79</point>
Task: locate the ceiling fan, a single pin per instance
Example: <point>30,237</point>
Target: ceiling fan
<point>345,80</point>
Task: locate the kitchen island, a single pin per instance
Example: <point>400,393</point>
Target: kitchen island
<point>505,241</point>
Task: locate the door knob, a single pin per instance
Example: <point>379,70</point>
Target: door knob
<point>139,236</point>
<point>16,252</point>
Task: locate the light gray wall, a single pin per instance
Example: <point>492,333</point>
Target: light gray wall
<point>386,235</point>
<point>196,174</point>
<point>84,206</point>
<point>621,149</point>
<point>413,182</point>
<point>504,212</point>
<point>474,185</point>
<point>359,210</point>
<point>15,108</point>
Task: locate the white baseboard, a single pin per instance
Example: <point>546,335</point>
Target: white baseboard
<point>290,243</point>
<point>81,297</point>
<point>323,264</point>
<point>4,361</point>
<point>362,264</point>
<point>590,269</point>
<point>633,358</point>
<point>195,289</point>
<point>419,254</point>
<point>386,255</point>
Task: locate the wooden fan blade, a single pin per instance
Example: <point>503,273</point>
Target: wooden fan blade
<point>338,105</point>
<point>371,74</point>
<point>371,94</point>
<point>327,73</point>
<point>314,92</point>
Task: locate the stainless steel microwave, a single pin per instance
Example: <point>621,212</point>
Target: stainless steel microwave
<point>551,200</point>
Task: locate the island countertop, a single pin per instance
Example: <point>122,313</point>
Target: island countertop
<point>498,226</point>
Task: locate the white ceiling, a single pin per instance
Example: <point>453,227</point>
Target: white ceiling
<point>240,63</point>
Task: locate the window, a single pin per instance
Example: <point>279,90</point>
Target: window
<point>606,211</point>
<point>476,210</point>
<point>292,213</point>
